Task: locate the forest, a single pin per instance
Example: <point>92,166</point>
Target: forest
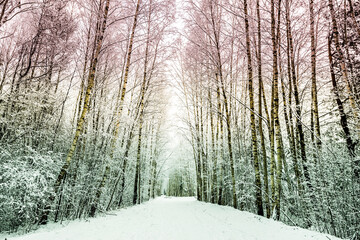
<point>253,104</point>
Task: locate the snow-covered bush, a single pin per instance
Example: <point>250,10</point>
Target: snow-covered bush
<point>26,179</point>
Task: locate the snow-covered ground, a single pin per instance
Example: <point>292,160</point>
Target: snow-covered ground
<point>171,219</point>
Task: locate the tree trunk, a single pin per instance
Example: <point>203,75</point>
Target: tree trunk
<point>142,106</point>
<point>290,77</point>
<point>277,131</point>
<point>258,195</point>
<point>314,97</point>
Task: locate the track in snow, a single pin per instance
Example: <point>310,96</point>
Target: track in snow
<point>172,219</point>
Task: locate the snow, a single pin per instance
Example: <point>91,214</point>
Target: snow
<point>172,219</point>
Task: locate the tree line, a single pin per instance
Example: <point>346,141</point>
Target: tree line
<point>81,103</point>
<point>270,91</point>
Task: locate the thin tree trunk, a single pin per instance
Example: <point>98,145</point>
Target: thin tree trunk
<point>290,77</point>
<point>213,152</point>
<point>260,110</point>
<point>258,190</point>
<point>277,132</point>
<point>142,106</point>
<point>203,155</point>
<point>314,97</point>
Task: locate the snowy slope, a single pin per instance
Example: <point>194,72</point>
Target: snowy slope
<point>174,218</point>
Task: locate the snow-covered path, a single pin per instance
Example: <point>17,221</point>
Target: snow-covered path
<point>175,218</point>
